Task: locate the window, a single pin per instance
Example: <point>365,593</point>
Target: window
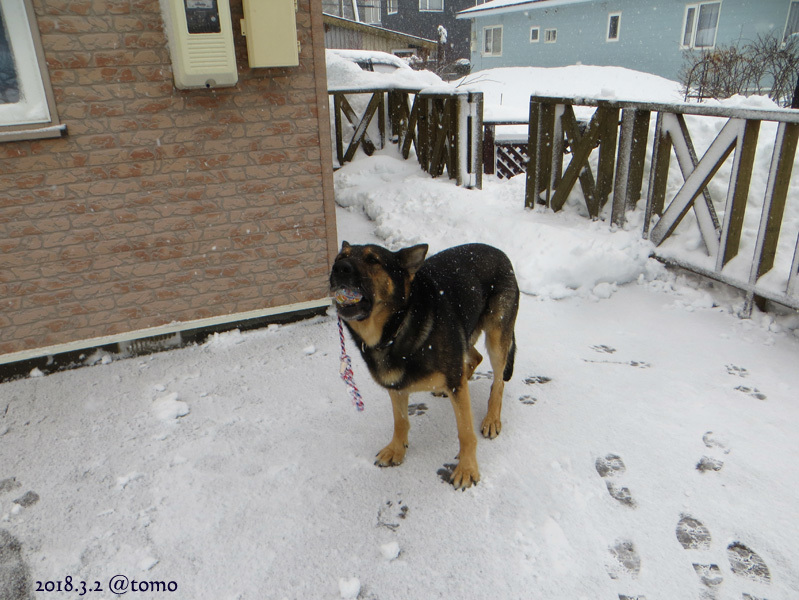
<point>550,36</point>
<point>431,5</point>
<point>614,21</point>
<point>27,108</point>
<point>392,7</point>
<point>701,23</point>
<point>492,41</point>
<point>535,34</point>
<point>793,21</point>
<point>371,12</point>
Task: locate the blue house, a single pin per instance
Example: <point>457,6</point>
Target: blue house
<point>646,35</point>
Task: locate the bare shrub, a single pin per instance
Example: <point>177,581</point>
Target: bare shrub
<point>766,65</point>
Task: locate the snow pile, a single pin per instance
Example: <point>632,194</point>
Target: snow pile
<point>344,74</point>
<point>507,91</point>
<point>554,255</point>
<point>168,408</point>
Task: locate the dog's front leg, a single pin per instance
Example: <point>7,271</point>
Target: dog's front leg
<point>394,453</point>
<point>466,473</point>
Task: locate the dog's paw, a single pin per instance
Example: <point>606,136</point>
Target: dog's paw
<point>465,475</point>
<point>491,427</point>
<point>391,456</point>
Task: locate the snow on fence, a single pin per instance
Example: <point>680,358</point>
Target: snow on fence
<point>756,250</point>
<point>444,128</point>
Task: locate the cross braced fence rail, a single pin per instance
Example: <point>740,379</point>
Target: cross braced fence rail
<point>614,142</point>
<point>443,128</point>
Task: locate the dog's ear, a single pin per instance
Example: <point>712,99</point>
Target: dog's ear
<point>345,245</point>
<point>412,258</point>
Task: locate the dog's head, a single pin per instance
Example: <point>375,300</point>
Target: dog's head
<point>365,278</point>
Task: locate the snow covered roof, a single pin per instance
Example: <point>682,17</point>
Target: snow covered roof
<point>496,7</point>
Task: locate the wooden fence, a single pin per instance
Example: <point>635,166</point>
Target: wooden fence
<point>616,135</point>
<point>608,152</point>
<point>444,129</point>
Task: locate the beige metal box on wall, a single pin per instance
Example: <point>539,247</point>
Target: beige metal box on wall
<point>200,37</point>
<point>270,27</point>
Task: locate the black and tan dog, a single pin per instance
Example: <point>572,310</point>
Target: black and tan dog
<point>416,322</point>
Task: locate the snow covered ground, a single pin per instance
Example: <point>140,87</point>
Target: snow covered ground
<point>648,444</point>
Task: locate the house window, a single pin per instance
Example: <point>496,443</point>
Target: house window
<point>535,34</point>
<point>492,41</point>
<point>371,12</point>
<point>392,7</point>
<point>701,23</point>
<point>550,36</point>
<point>431,5</point>
<point>614,22</point>
<point>793,20</point>
<point>26,102</point>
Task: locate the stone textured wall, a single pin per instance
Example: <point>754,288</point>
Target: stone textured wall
<point>162,205</point>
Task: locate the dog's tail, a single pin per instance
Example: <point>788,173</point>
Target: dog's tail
<point>511,358</point>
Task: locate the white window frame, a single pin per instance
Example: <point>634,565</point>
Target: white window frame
<point>392,7</point>
<point>371,12</point>
<point>788,19</point>
<point>34,115</point>
<point>537,35</point>
<point>550,35</point>
<point>611,16</point>
<point>424,6</point>
<point>492,52</point>
<point>694,21</point>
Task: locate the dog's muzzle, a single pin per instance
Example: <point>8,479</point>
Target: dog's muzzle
<point>351,302</point>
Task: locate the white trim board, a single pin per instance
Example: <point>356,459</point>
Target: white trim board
<point>161,330</point>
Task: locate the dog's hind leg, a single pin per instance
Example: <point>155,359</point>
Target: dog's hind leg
<point>498,343</point>
<point>394,453</point>
<point>499,322</point>
<point>467,472</point>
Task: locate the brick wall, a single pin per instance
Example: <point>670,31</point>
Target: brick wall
<point>162,205</point>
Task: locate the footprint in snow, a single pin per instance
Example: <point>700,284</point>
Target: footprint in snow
<point>417,409</point>
<point>11,483</point>
<point>745,389</point>
<point>603,349</point>
<point>609,468</point>
<point>391,513</point>
<point>737,371</point>
<point>626,560</point>
<point>747,563</point>
<point>744,562</point>
<point>638,364</point>
<point>692,534</point>
<point>15,581</point>
<point>26,500</point>
<point>445,472</point>
<point>751,391</point>
<point>718,447</point>
<point>477,375</point>
<point>527,399</point>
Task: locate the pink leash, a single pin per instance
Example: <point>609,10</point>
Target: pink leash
<point>346,370</point>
